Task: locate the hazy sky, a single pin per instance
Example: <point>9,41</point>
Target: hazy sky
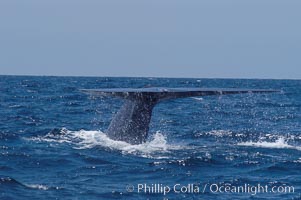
<point>170,38</point>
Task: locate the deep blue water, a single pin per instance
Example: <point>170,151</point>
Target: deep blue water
<point>53,143</point>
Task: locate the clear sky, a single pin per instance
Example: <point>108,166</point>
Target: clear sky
<point>169,38</point>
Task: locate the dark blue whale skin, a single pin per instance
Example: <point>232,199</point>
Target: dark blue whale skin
<point>131,123</point>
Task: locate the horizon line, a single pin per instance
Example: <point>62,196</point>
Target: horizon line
<point>171,77</point>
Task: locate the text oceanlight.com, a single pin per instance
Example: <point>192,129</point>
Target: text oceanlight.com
<point>255,189</point>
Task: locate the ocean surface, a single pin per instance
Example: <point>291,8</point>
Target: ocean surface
<point>53,142</point>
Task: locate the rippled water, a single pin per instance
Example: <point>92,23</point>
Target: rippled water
<point>53,143</point>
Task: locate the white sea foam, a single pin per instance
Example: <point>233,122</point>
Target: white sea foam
<point>217,133</point>
<point>37,186</point>
<point>198,98</point>
<point>297,161</point>
<point>280,143</point>
<point>89,139</point>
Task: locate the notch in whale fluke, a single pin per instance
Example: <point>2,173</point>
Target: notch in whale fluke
<point>131,123</point>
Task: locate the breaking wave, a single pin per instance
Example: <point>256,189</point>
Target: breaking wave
<point>280,143</point>
<point>11,181</point>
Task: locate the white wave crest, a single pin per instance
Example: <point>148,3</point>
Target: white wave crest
<point>280,143</point>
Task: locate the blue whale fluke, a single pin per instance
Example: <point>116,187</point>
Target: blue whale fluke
<point>131,123</point>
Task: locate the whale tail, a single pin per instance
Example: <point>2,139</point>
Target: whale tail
<point>131,123</point>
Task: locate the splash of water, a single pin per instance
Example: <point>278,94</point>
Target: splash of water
<point>89,139</point>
